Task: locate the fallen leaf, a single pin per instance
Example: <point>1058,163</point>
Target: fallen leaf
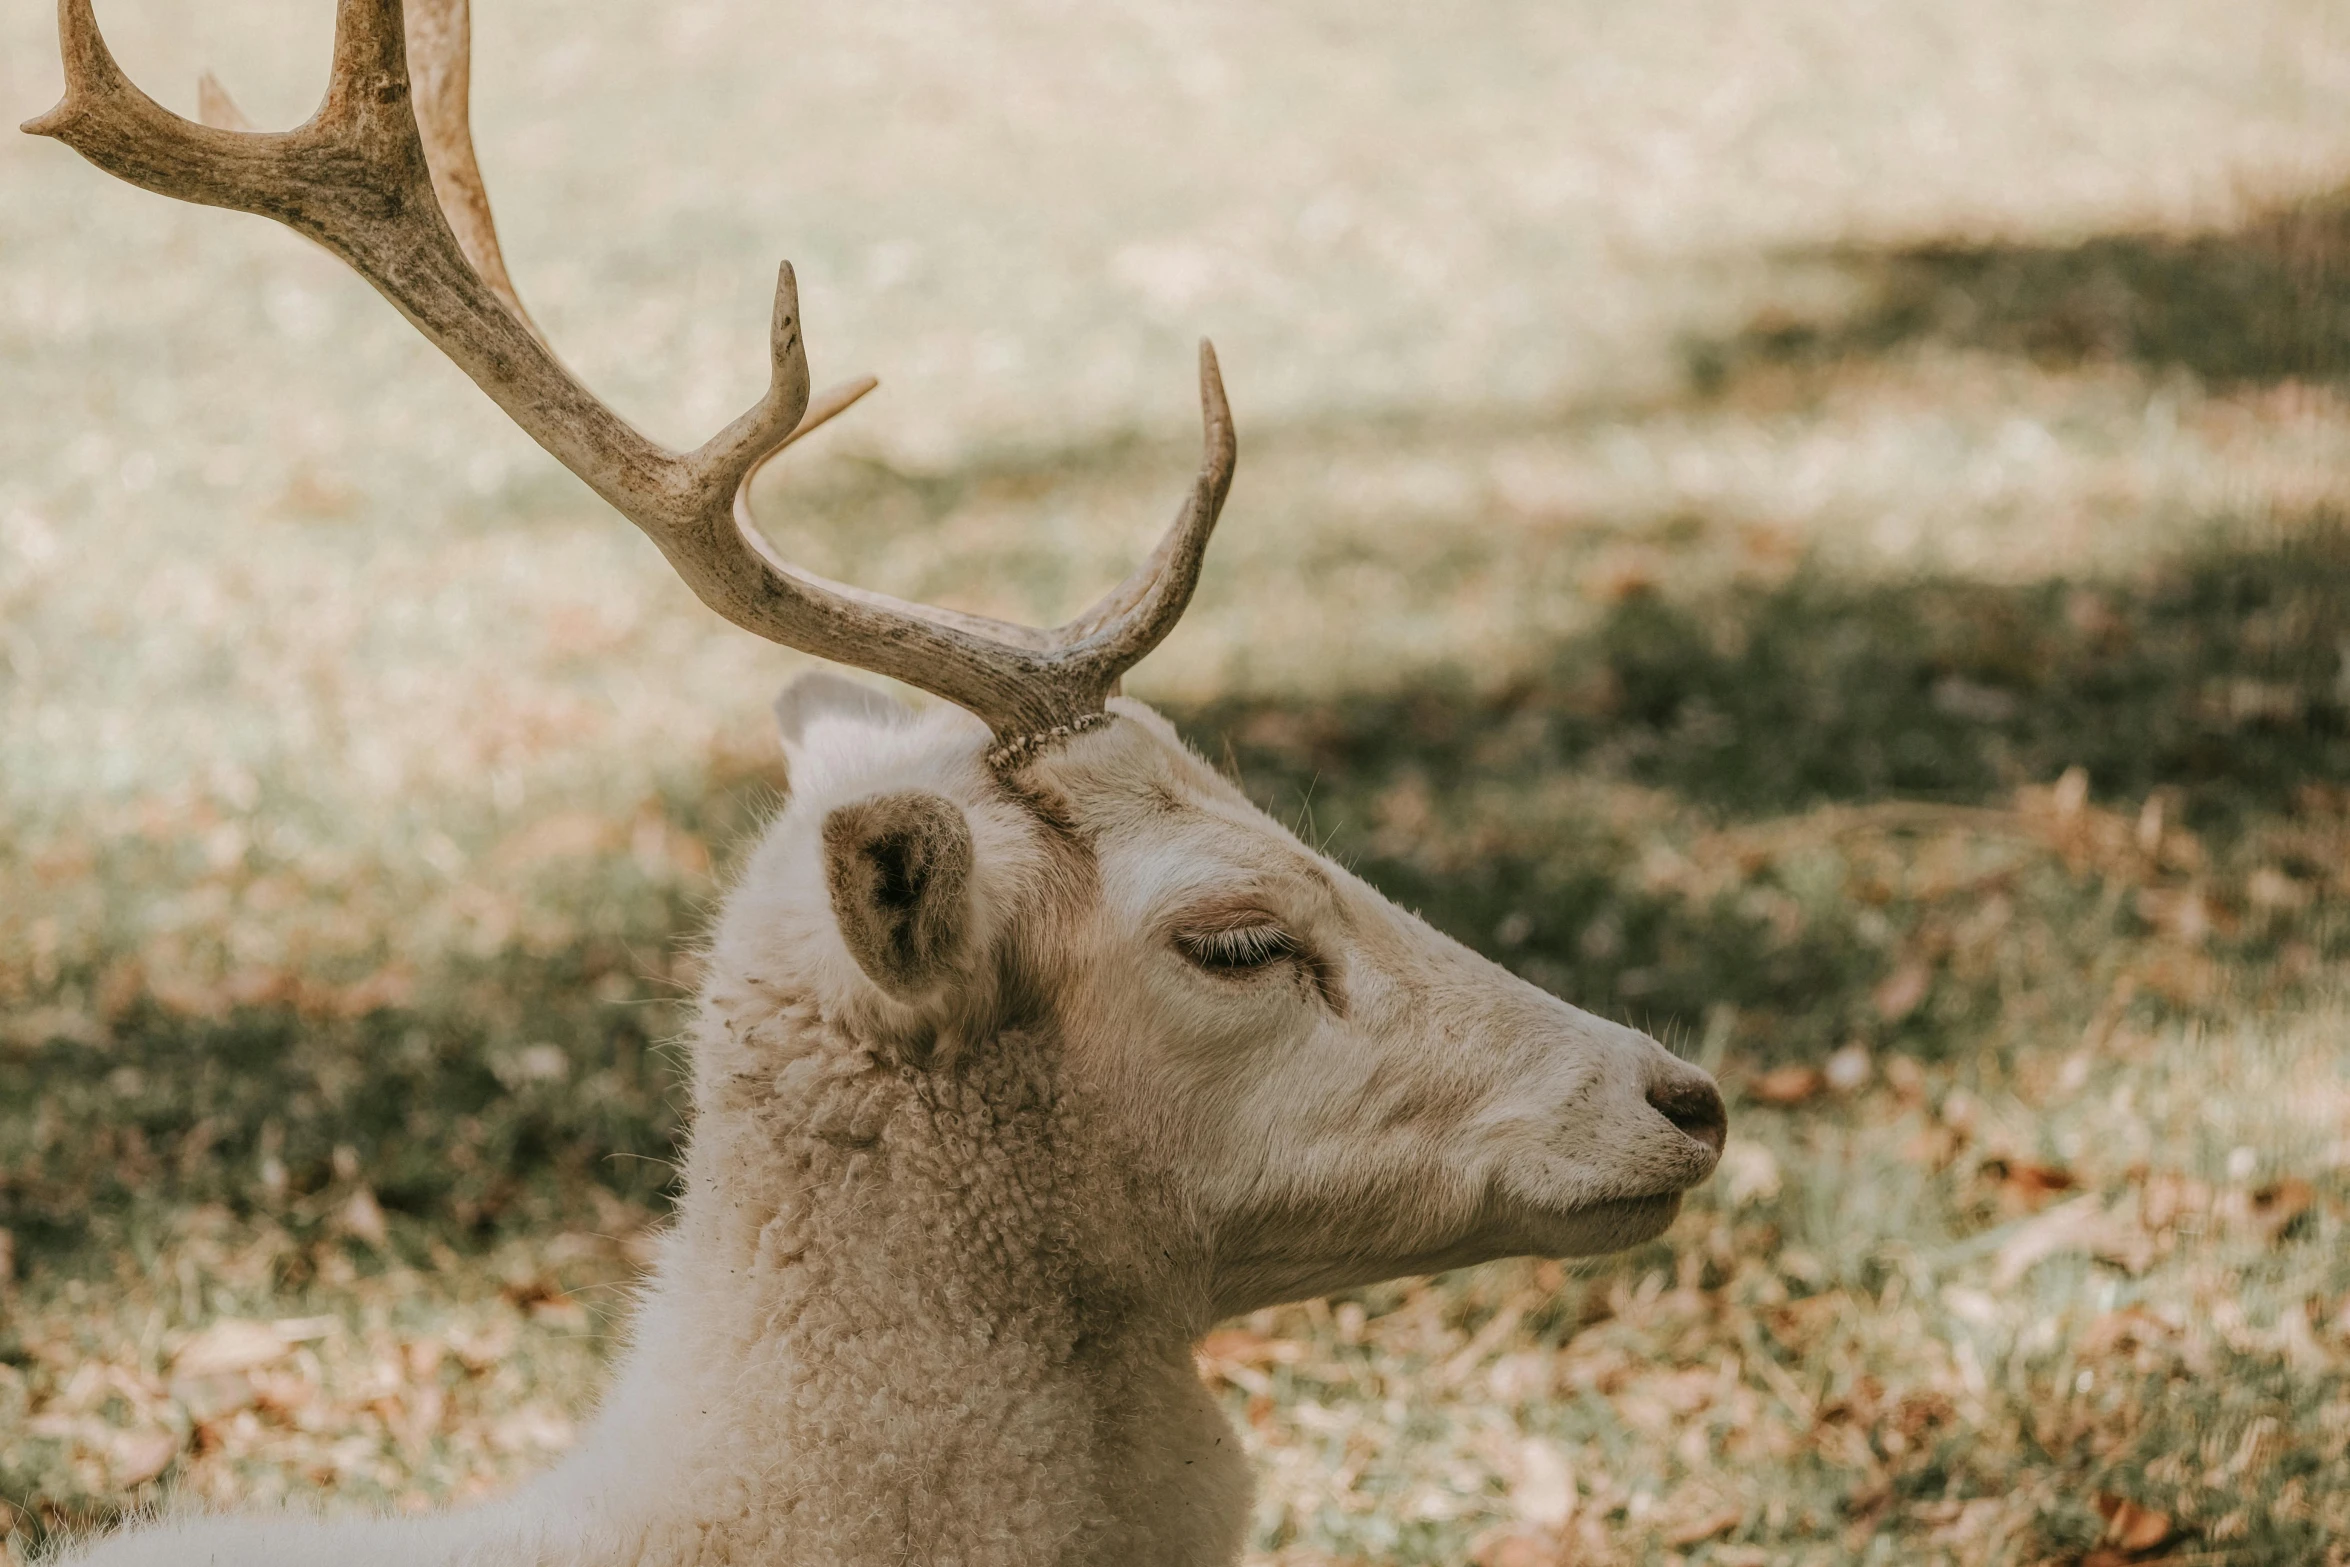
<point>1970,1306</point>
<point>1544,1492</point>
<point>1239,1346</point>
<point>229,1345</point>
<point>2124,1330</point>
<point>2083,1224</point>
<point>2071,794</point>
<point>363,1217</point>
<point>2165,1197</point>
<point>2276,1206</point>
<point>482,1350</point>
<point>2270,888</point>
<point>139,1456</point>
<point>1899,993</point>
<point>212,1398</point>
<point>1750,1172</point>
<point>1785,1085</point>
<point>2072,1226</point>
<point>304,1330</point>
<point>561,1312</point>
<point>2028,1184</point>
<point>1516,1550</point>
<point>2181,913</point>
<point>1705,1526</point>
<point>2130,1526</point>
<point>1240,1357</point>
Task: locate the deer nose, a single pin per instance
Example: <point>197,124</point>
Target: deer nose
<point>1690,1101</point>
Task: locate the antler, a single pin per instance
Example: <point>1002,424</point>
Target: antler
<point>405,207</point>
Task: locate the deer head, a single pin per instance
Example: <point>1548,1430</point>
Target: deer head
<point>1321,1090</point>
<point>1334,1091</point>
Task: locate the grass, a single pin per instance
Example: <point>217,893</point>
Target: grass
<point>1847,568</point>
<point>1988,1247</point>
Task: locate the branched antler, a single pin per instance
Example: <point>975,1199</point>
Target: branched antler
<point>383,175</point>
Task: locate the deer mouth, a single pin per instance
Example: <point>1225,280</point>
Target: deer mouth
<point>1597,1228</point>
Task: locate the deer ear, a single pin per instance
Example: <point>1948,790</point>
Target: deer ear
<point>820,694</point>
<point>899,870</point>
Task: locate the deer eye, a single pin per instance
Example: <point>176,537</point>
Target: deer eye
<point>1239,950</point>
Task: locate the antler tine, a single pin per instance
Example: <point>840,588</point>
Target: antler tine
<point>1136,615</point>
<point>440,65</point>
<point>386,178</point>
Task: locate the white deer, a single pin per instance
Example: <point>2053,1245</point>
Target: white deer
<point>1029,1047</point>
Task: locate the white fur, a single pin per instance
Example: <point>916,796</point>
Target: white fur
<point>939,1258</point>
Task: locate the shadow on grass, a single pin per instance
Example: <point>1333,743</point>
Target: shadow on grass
<point>2266,302</point>
<point>2219,681</point>
<point>453,1109</point>
<point>511,1096</point>
<point>2222,675</point>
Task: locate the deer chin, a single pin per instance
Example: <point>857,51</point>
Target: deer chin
<point>1520,1228</point>
<point>1594,1229</point>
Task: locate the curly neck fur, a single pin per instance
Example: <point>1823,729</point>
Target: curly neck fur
<point>934,1326</point>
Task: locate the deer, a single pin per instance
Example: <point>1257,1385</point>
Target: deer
<point>1028,1047</point>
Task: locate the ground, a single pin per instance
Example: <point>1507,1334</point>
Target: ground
<point>1819,529</point>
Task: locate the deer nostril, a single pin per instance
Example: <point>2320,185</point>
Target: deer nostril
<point>1694,1106</point>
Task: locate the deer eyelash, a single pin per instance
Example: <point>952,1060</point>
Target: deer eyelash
<point>1239,950</point>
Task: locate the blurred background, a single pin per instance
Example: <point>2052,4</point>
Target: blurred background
<point>1816,529</point>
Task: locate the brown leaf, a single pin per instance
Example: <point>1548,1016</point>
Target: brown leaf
<point>485,1349</point>
<point>2071,794</point>
<point>2165,1197</point>
<point>393,985</point>
<point>2183,978</point>
<point>2123,1331</point>
<point>229,1345</point>
<point>2277,1205</point>
<point>363,1217</point>
<point>1240,1347</point>
<point>1933,1145</point>
<point>2132,1527</point>
<point>1240,1357</point>
<point>2073,1226</point>
<point>139,1456</point>
<point>1543,1492</point>
<point>213,1398</point>
<point>561,1313</point>
<point>1898,995</point>
<point>1516,1550</point>
<point>2027,1184</point>
<point>2271,889</point>
<point>1785,1085</point>
<point>1704,1526</point>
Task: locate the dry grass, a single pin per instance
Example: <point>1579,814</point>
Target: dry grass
<point>1817,530</point>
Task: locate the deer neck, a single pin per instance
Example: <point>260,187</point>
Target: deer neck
<point>909,1314</point>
